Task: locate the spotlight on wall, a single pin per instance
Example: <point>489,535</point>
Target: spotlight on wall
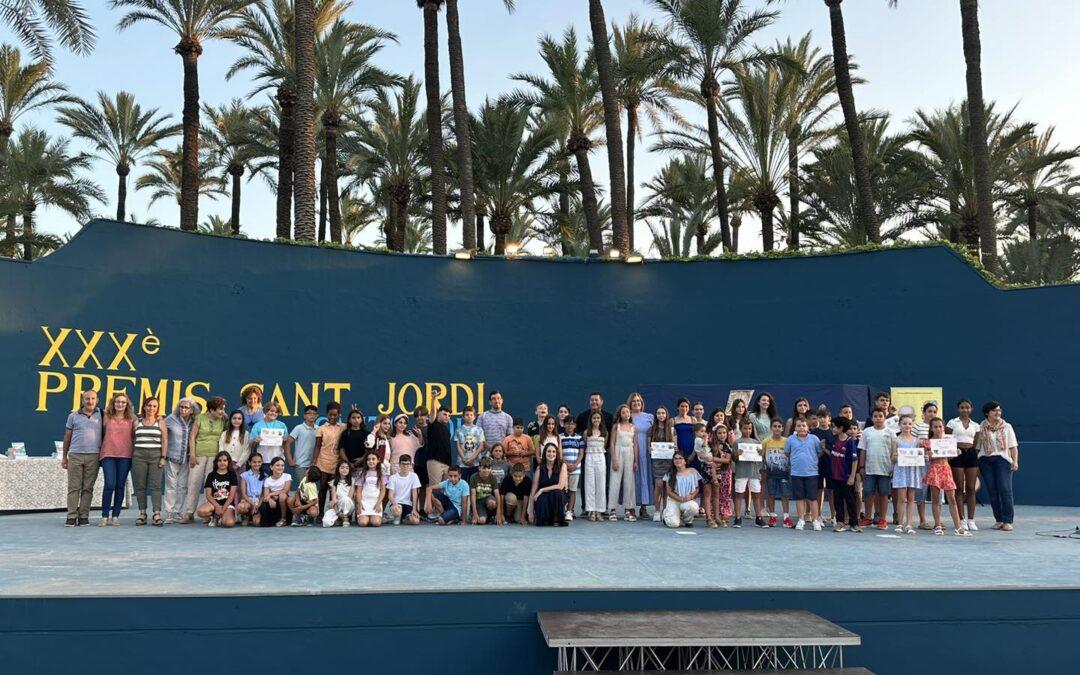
<point>549,251</point>
<point>593,253</point>
<point>635,258</point>
<point>513,249</point>
<point>463,254</point>
<point>614,254</point>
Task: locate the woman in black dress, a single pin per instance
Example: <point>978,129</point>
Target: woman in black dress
<point>549,489</point>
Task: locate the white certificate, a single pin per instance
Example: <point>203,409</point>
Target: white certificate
<point>749,452</point>
<point>910,457</point>
<point>661,450</point>
<point>943,447</point>
<point>272,438</point>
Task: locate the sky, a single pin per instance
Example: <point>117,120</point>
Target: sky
<point>911,58</point>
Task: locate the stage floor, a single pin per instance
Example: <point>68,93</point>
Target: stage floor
<point>41,558</point>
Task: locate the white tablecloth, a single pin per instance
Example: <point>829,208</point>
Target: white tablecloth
<point>39,484</point>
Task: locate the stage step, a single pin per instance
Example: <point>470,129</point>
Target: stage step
<point>696,641</point>
<point>823,671</point>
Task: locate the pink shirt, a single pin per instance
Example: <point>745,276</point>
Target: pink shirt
<point>119,440</point>
<point>403,444</point>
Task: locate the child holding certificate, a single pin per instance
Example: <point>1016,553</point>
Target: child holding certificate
<point>269,436</point>
<point>748,474</point>
<point>908,479</point>
<point>940,478</point>
<point>661,432</point>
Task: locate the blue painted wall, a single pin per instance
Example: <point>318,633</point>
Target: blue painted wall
<point>903,632</point>
<point>348,324</point>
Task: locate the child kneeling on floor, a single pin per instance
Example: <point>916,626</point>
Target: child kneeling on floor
<point>305,502</point>
<point>340,505</point>
<point>683,483</point>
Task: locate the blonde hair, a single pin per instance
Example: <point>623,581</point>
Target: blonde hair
<point>110,410</point>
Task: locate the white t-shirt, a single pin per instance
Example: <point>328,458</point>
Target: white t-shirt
<point>403,487</point>
<point>277,484</point>
<point>961,434</point>
<point>990,442</point>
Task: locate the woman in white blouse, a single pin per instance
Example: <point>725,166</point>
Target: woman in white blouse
<point>965,466</point>
<point>998,459</point>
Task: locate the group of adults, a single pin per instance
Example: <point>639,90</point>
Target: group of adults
<point>173,457</point>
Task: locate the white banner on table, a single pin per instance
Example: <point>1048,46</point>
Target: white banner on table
<point>943,447</point>
<point>910,457</point>
<point>272,438</point>
<point>749,452</point>
<point>661,450</point>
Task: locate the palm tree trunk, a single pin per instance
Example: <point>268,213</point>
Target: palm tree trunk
<point>765,204</point>
<point>588,200</point>
<point>479,231</point>
<point>718,175</point>
<point>631,143</point>
<point>28,231</point>
<point>864,194</point>
<point>434,124</point>
<point>390,224</point>
<point>461,124</point>
<point>969,20</point>
<point>794,195</point>
<point>122,171</point>
<point>286,136</point>
<point>12,231</point>
<point>736,223</point>
<point>305,153</point>
<point>612,124</point>
<point>8,250</point>
<point>1032,206</point>
<point>189,51</point>
<point>333,197</point>
<point>322,200</point>
<point>403,195</point>
<point>236,173</point>
<point>564,209</point>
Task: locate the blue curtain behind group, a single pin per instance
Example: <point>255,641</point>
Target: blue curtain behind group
<point>716,396</point>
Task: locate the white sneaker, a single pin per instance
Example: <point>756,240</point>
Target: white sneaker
<point>971,526</point>
<point>817,526</point>
<point>656,516</point>
<point>569,515</point>
<point>800,525</point>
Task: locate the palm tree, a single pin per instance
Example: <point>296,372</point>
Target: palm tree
<point>435,148</point>
<point>165,179</point>
<point>513,164</point>
<point>807,86</point>
<point>387,150</point>
<point>357,213</point>
<point>23,88</point>
<point>901,180</point>
<point>120,131</point>
<point>220,226</point>
<point>42,172</point>
<point>228,137</point>
<point>345,74</point>
<point>267,31</point>
<point>977,123</point>
<point>305,151</point>
<point>194,22</point>
<point>755,116</point>
<point>461,122</point>
<point>415,236</point>
<point>714,36</point>
<point>572,97</point>
<point>1045,187</point>
<point>34,21</point>
<point>645,84</point>
<point>612,125</point>
<point>680,196</point>
<point>945,138</point>
<point>1054,260</point>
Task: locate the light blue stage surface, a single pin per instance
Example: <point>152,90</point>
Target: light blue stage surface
<point>41,558</point>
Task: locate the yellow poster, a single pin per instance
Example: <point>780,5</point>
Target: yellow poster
<point>915,397</point>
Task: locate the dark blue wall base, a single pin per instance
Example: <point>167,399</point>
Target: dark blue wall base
<point>902,631</point>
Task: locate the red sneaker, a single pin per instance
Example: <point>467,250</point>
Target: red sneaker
<point>788,522</point>
<point>864,522</point>
<point>881,524</point>
<point>772,521</point>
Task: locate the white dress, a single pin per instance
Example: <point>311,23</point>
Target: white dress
<point>369,495</point>
<point>344,507</point>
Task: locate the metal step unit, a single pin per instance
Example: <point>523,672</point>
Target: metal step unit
<point>720,641</point>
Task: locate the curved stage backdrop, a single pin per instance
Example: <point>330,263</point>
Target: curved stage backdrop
<point>163,312</point>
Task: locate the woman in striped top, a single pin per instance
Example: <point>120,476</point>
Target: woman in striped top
<point>148,460</point>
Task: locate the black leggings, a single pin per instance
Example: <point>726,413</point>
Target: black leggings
<point>270,515</point>
<point>844,501</point>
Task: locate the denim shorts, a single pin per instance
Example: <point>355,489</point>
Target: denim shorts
<point>804,487</point>
<point>779,487</point>
<point>876,485</point>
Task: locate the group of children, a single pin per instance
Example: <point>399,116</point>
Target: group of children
<point>721,468</point>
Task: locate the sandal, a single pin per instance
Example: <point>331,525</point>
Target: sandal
<point>1007,527</point>
<point>141,520</point>
<point>939,531</point>
<point>630,517</point>
<point>612,517</point>
<point>280,523</point>
<point>961,532</point>
<point>925,526</point>
<point>910,530</point>
<point>899,529</point>
<point>157,521</point>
